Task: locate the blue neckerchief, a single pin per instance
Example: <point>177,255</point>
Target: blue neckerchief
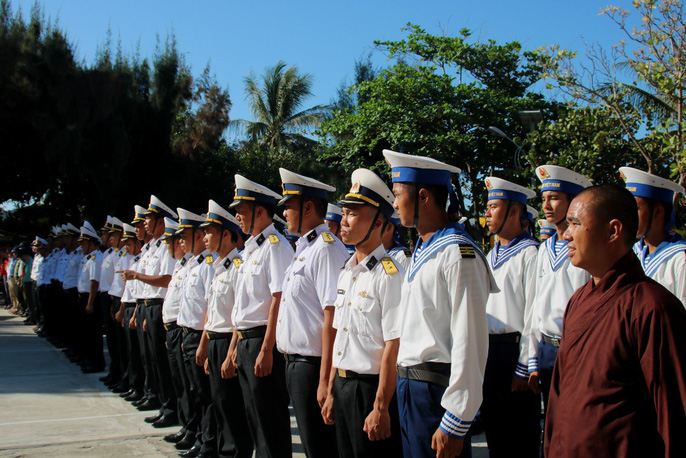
<point>501,254</point>
<point>449,234</point>
<point>556,257</point>
<point>665,251</point>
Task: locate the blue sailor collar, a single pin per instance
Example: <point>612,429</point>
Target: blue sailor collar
<point>651,262</point>
<point>449,234</point>
<point>557,251</point>
<point>501,254</point>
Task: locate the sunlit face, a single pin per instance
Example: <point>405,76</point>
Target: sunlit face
<point>291,214</point>
<point>244,216</point>
<point>130,245</point>
<point>355,223</point>
<point>495,214</point>
<point>105,237</point>
<point>186,240</point>
<point>334,226</point>
<point>140,230</point>
<point>149,223</point>
<point>555,206</point>
<point>113,239</point>
<point>643,215</point>
<point>587,238</point>
<point>212,237</point>
<point>404,203</point>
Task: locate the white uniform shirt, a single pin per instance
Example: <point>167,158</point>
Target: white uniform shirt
<point>367,311</point>
<point>195,286</point>
<point>156,261</point>
<point>510,310</point>
<point>120,263</point>
<point>61,261</point>
<point>444,320</point>
<point>36,266</point>
<point>45,271</point>
<point>107,272</point>
<point>554,287</point>
<point>265,260</point>
<point>172,302</point>
<point>222,293</point>
<point>667,266</point>
<point>72,269</point>
<point>310,287</point>
<point>90,270</point>
<point>131,287</point>
<point>401,255</point>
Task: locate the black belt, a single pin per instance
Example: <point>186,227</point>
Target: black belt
<point>151,302</point>
<point>293,358</point>
<point>426,372</point>
<point>140,301</point>
<point>510,337</point>
<point>129,305</point>
<point>219,335</point>
<point>187,330</point>
<point>343,373</point>
<point>258,331</point>
<point>554,341</point>
<point>171,326</point>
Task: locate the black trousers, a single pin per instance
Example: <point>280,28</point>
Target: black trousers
<point>318,438</point>
<point>111,337</point>
<point>234,438</point>
<point>511,419</point>
<point>200,395</point>
<point>135,371</point>
<point>353,402</point>
<point>92,349</point>
<point>72,319</point>
<point>52,308</point>
<point>266,400</point>
<point>149,385</point>
<point>179,379</point>
<point>122,354</point>
<point>156,340</point>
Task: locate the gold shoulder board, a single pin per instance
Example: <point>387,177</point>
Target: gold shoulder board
<point>389,266</point>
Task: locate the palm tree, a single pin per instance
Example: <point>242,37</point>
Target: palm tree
<point>279,122</point>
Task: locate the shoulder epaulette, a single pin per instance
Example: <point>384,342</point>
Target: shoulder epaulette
<point>260,240</point>
<point>273,238</point>
<point>201,258</point>
<point>183,261</point>
<point>328,237</point>
<point>209,259</point>
<point>237,261</point>
<point>389,266</point>
<point>467,251</point>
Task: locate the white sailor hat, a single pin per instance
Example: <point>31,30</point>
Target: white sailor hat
<point>129,232</point>
<point>546,228</point>
<point>649,186</point>
<point>116,225</point>
<point>69,229</point>
<point>39,241</point>
<point>159,208</point>
<point>170,228</point>
<point>88,233</point>
<point>218,215</point>
<point>532,212</point>
<point>369,189</point>
<point>108,224</point>
<point>406,168</point>
<point>188,220</point>
<point>139,214</point>
<point>294,184</point>
<point>556,178</point>
<point>55,231</point>
<point>506,190</point>
<point>249,191</point>
<point>333,213</point>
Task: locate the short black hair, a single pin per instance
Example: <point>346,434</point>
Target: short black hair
<point>610,201</point>
<point>320,205</point>
<point>439,192</point>
<point>269,208</point>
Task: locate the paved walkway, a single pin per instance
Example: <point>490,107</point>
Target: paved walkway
<point>49,408</point>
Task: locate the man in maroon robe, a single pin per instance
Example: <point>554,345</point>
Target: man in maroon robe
<point>619,383</point>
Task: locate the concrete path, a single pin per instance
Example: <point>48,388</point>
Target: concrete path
<point>49,408</point>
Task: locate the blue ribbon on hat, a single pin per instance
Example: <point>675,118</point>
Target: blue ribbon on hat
<point>548,230</point>
<point>561,185</point>
<point>427,176</point>
<point>330,216</point>
<point>290,189</point>
<point>651,192</point>
<point>507,194</point>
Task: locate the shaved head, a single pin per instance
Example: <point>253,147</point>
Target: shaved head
<point>607,202</point>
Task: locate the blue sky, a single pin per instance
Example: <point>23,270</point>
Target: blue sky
<point>322,38</point>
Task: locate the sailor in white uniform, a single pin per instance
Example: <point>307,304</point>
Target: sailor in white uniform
<point>361,397</point>
<point>556,279</point>
<point>391,241</point>
<point>221,237</point>
<point>510,411</point>
<point>660,249</point>
<point>545,229</point>
<point>261,368</point>
<point>304,332</point>
<point>444,335</point>
<point>89,301</point>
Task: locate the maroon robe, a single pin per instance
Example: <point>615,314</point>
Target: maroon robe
<point>619,383</point>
